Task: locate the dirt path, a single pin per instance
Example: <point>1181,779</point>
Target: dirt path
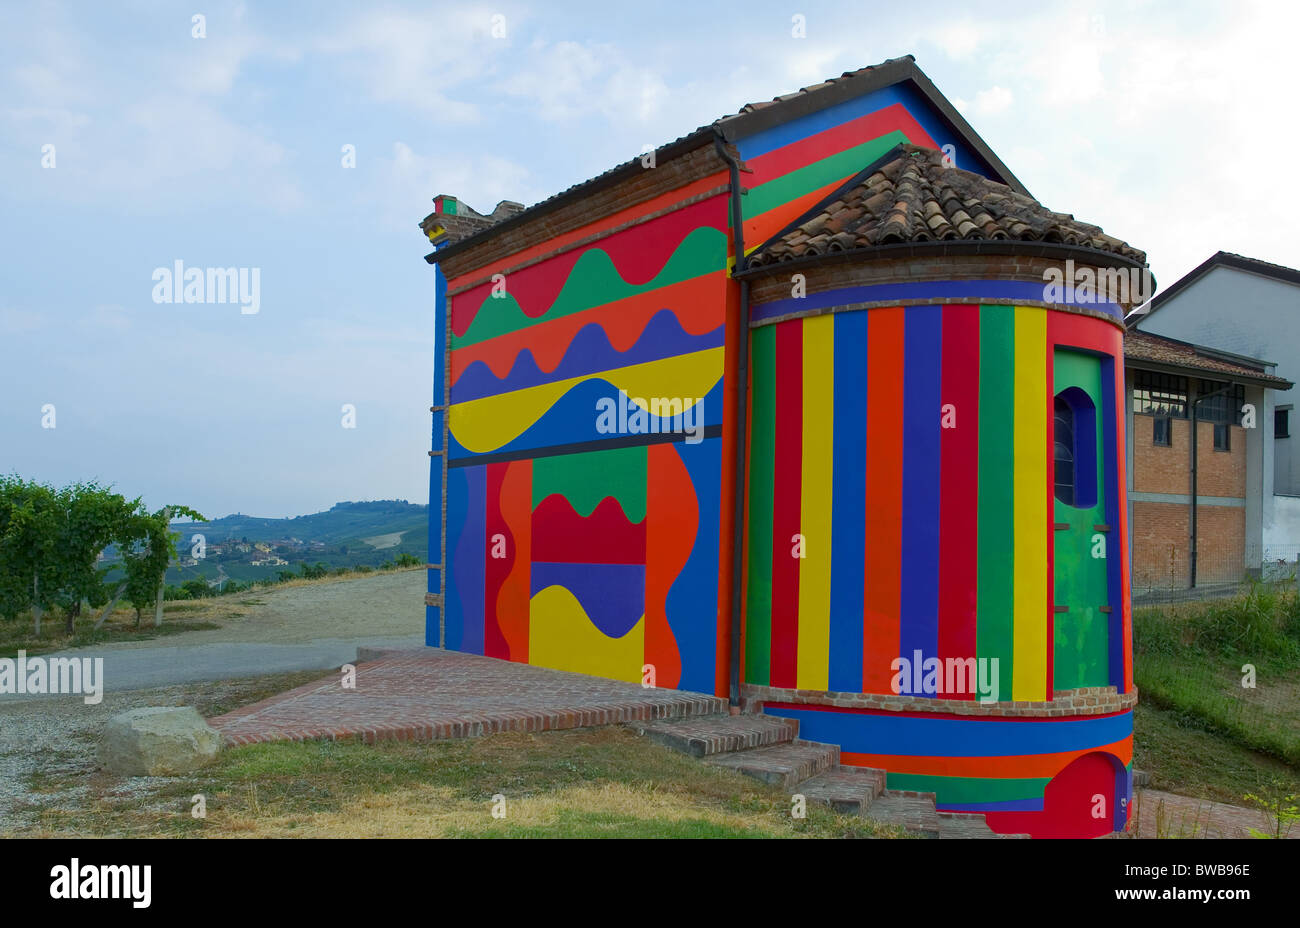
<point>390,604</point>
<point>312,626</point>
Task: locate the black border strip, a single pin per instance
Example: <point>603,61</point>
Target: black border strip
<point>601,444</point>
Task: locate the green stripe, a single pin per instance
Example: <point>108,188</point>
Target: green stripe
<point>758,619</point>
<point>587,478</point>
<point>595,281</point>
<point>814,176</point>
<point>969,789</point>
<point>994,606</point>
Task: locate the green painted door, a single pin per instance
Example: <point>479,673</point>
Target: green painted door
<point>1082,539</point>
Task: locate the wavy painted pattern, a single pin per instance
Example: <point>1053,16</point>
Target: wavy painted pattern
<point>564,637</point>
<point>696,303</point>
<point>593,281</point>
<point>639,251</point>
<point>590,352</point>
<point>491,423</point>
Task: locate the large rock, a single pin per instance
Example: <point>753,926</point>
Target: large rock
<point>157,741</point>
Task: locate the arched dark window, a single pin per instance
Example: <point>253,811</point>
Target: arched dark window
<point>1063,434</point>
<point>1074,432</point>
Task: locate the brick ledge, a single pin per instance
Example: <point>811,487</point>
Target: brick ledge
<point>1087,700</point>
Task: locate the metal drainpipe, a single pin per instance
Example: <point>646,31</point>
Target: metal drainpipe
<point>741,413</point>
<point>1194,400</point>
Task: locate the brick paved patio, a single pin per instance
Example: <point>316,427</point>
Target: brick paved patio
<point>429,694</point>
<point>1162,814</point>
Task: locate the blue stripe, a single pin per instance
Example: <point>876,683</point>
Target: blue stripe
<point>433,614</point>
<point>692,600</point>
<point>457,512</point>
<point>1110,486</point>
<point>468,564</point>
<point>1018,290</point>
<point>1007,805</point>
<point>919,593</point>
<point>863,733</point>
<point>849,515</point>
<point>913,101</point>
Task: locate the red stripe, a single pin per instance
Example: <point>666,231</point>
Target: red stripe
<point>496,569</point>
<point>787,158</point>
<point>882,568</point>
<point>959,486</point>
<point>787,486</point>
<point>1093,335</point>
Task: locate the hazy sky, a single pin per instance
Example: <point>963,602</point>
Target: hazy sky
<point>1172,125</point>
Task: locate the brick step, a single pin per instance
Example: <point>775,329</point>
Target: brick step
<point>782,765</point>
<point>847,790</point>
<point>912,811</point>
<point>706,735</point>
<point>966,825</point>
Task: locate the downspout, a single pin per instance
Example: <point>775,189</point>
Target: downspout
<point>742,424</point>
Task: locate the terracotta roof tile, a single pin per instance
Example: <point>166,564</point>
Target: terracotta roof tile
<point>917,198</point>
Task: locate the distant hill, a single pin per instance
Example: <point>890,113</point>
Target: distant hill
<point>349,534</point>
<point>344,522</point>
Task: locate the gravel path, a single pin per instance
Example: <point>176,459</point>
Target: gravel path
<point>48,746</point>
<point>314,626</point>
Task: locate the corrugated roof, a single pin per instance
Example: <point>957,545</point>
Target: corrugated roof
<point>1142,346</point>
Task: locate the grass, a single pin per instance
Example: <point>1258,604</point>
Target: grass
<point>1182,757</point>
<point>20,635</point>
<point>1190,660</point>
<point>604,782</point>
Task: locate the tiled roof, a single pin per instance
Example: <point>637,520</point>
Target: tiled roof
<point>811,98</point>
<point>915,197</point>
<point>1143,346</point>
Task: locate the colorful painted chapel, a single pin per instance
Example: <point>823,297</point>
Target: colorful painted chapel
<point>817,409</point>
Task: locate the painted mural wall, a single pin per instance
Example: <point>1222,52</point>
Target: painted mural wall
<point>585,467</point>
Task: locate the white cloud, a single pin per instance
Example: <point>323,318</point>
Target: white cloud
<point>403,58</point>
<point>409,181</point>
<point>992,101</point>
<point>567,81</point>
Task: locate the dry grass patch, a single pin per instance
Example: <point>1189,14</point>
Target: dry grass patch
<point>587,783</point>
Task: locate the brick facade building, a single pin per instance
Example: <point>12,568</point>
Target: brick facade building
<point>1214,538</point>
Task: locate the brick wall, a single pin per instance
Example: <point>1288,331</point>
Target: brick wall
<point>1157,469</point>
<point>1161,531</point>
<point>1221,473</point>
<point>1221,540</point>
<point>916,268</point>
<point>1160,534</point>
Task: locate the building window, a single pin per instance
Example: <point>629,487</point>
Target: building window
<point>1074,432</point>
<point>1225,408</point>
<point>1222,436</point>
<point>1281,423</point>
<point>1063,431</point>
<point>1156,394</point>
<point>1162,431</point>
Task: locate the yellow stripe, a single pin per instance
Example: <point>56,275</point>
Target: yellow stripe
<point>813,659</point>
<point>487,423</point>
<point>1029,642</point>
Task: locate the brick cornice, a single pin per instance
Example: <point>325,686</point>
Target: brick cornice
<point>1085,701</point>
<point>638,187</point>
